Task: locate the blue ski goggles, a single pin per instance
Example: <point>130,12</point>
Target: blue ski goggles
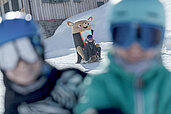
<point>148,36</point>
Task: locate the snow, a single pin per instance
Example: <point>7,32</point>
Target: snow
<point>60,51</point>
<point>61,43</point>
<point>69,60</point>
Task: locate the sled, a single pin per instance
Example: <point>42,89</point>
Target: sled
<point>88,62</point>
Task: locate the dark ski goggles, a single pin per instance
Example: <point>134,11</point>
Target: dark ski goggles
<point>12,52</point>
<point>148,36</point>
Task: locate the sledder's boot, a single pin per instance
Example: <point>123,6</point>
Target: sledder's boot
<point>99,58</point>
<point>84,61</point>
<point>92,59</point>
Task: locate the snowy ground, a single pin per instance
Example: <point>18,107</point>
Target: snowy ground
<point>69,60</point>
<point>60,51</point>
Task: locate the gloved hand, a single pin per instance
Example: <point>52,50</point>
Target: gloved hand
<point>46,106</point>
<point>93,58</point>
<point>67,89</point>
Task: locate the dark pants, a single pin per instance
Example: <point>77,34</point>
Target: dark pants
<point>99,52</point>
<point>89,53</point>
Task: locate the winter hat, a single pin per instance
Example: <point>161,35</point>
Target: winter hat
<point>17,25</point>
<point>140,11</point>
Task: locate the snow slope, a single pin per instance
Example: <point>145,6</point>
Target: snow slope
<point>61,43</point>
<point>60,50</point>
<point>69,60</point>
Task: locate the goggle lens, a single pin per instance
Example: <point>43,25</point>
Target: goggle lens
<point>148,36</point>
<point>120,37</point>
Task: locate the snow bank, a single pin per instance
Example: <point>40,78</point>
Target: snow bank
<point>62,40</point>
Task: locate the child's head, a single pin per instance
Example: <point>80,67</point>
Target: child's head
<point>137,28</point>
<point>89,38</point>
<point>21,50</point>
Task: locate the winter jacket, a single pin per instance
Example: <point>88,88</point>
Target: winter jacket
<point>114,88</point>
<point>53,92</point>
<point>90,49</point>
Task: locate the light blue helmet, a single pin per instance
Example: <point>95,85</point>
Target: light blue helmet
<point>140,11</point>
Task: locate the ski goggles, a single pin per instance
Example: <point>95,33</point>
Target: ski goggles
<point>12,52</point>
<point>148,36</point>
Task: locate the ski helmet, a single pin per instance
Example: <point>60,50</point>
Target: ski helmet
<point>16,25</point>
<point>89,37</point>
<point>140,11</point>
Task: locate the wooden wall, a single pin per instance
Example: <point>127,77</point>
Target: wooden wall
<point>53,11</point>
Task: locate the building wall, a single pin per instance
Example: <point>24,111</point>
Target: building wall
<point>7,5</point>
<point>51,11</point>
<point>49,27</point>
<point>51,15</point>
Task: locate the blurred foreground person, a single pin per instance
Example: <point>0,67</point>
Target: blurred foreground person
<point>33,86</point>
<point>134,80</point>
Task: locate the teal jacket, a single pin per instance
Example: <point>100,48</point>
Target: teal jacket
<point>114,88</point>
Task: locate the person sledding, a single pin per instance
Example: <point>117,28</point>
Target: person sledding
<point>91,51</point>
<point>80,30</point>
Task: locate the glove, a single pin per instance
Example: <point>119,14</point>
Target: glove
<point>67,89</point>
<point>47,106</point>
<point>93,58</point>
